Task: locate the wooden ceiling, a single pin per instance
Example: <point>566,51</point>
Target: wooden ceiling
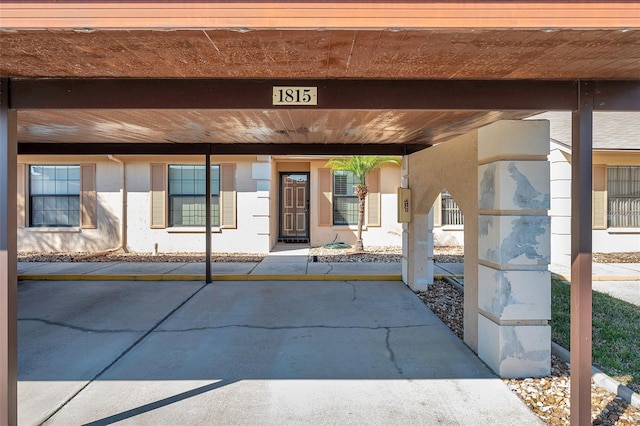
<point>318,54</point>
<point>371,49</point>
<point>283,126</point>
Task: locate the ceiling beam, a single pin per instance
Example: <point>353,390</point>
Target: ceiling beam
<point>617,96</point>
<point>25,148</point>
<point>440,95</point>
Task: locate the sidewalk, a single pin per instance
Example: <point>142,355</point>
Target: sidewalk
<point>285,263</point>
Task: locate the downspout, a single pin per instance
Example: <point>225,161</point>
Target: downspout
<point>123,219</point>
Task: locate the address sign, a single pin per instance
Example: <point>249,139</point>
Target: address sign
<point>287,95</point>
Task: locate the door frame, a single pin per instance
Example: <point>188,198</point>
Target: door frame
<point>307,237</point>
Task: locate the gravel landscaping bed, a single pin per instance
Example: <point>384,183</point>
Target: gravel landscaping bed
<point>547,397</point>
<point>139,257</point>
<point>382,254</point>
<point>628,257</point>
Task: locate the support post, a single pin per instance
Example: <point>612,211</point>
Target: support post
<point>207,175</point>
<point>8,265</point>
<point>581,255</point>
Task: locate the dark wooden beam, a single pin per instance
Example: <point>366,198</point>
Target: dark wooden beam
<point>617,96</point>
<point>8,262</point>
<point>26,148</point>
<point>441,95</point>
<point>581,255</point>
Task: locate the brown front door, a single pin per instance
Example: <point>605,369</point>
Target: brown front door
<point>294,207</point>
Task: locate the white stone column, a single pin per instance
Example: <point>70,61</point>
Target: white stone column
<point>417,244</point>
<point>514,283</point>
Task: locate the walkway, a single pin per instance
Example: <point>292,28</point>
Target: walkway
<point>285,262</point>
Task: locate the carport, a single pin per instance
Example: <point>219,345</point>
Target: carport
<point>427,71</point>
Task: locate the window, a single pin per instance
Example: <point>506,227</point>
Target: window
<point>623,204</point>
<point>345,202</point>
<point>54,196</point>
<point>451,213</point>
<point>187,195</point>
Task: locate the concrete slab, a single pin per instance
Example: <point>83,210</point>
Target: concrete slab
<point>30,267</point>
<point>272,267</point>
<point>70,331</point>
<point>629,291</point>
<point>230,268</point>
<point>252,352</point>
<point>79,268</point>
<point>138,268</point>
<point>354,268</point>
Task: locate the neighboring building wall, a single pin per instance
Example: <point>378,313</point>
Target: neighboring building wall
<point>605,239</point>
<point>560,170</point>
<point>445,235</point>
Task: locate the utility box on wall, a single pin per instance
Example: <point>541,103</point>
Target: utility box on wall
<point>404,205</point>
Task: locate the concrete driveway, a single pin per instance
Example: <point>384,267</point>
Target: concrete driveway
<point>253,352</point>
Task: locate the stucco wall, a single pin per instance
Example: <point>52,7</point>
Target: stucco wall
<point>390,231</point>
<point>107,233</point>
<point>604,240</point>
<point>252,233</point>
<point>452,165</point>
<point>257,187</point>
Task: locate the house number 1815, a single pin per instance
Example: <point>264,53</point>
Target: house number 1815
<point>295,95</point>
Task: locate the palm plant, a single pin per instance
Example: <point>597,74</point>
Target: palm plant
<point>361,166</point>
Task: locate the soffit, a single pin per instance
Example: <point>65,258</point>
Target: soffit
<point>285,126</point>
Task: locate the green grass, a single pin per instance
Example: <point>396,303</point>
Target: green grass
<point>616,332</point>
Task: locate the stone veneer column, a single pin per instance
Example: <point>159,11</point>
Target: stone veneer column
<point>514,283</point>
<point>417,245</point>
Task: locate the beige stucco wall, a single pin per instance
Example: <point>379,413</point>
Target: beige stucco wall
<point>604,240</point>
<point>452,165</point>
<point>257,187</point>
<point>252,233</point>
<point>107,233</point>
<point>390,231</point>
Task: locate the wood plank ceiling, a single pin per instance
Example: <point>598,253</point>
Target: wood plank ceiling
<point>300,54</point>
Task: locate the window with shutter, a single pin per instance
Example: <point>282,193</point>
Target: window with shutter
<point>55,195</point>
<point>623,194</point>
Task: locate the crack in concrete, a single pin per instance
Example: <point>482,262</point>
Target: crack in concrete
<point>299,327</point>
<point>330,269</point>
<point>79,328</point>
<point>355,291</point>
<point>392,355</point>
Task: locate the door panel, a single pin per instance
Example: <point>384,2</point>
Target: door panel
<point>294,208</point>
